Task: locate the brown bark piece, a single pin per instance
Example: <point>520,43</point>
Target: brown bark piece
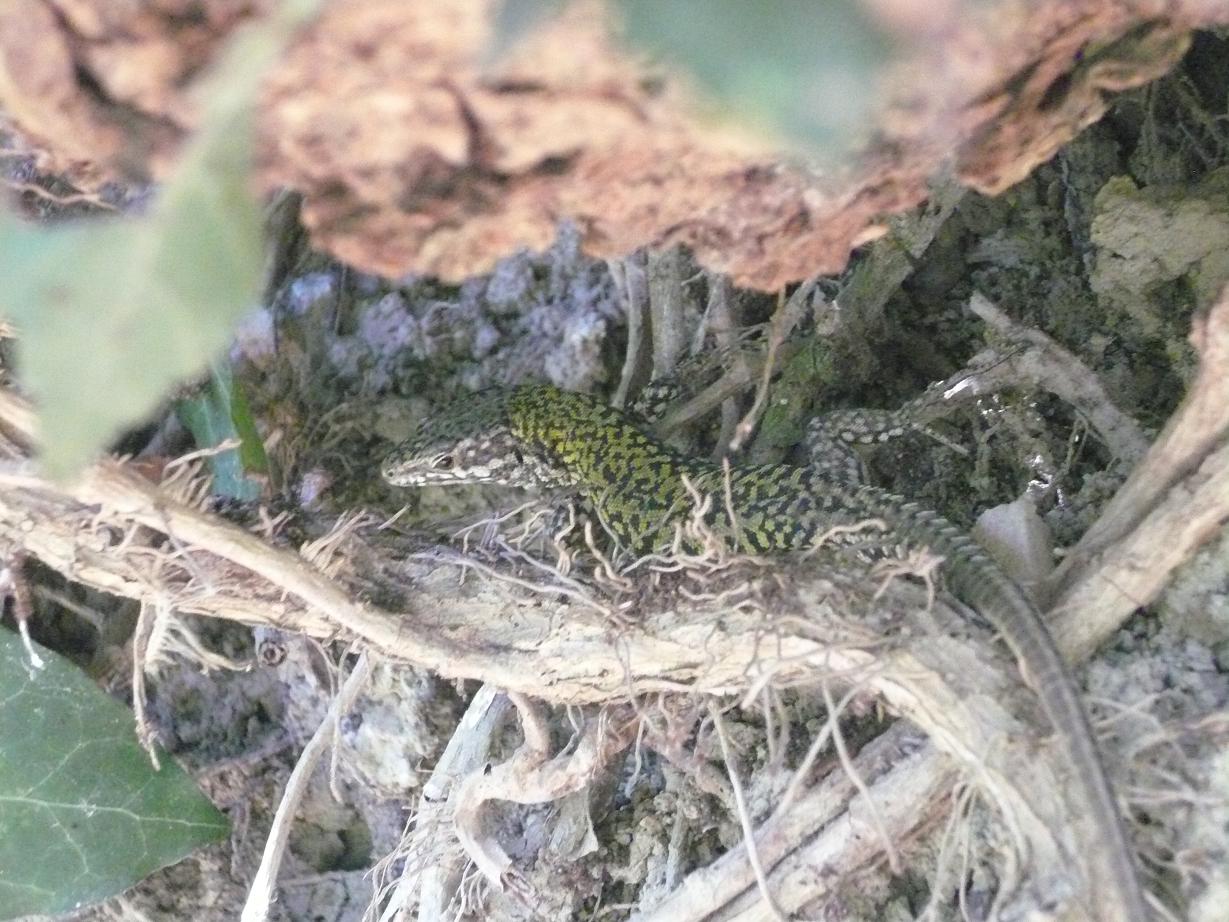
<point>100,88</point>
<point>40,91</point>
<point>419,150</point>
<point>1032,103</point>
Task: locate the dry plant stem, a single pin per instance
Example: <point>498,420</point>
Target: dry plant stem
<point>722,318</point>
<point>14,583</point>
<point>668,317</point>
<point>1048,366</point>
<point>17,419</point>
<point>956,821</point>
<point>1133,570</point>
<point>535,727</point>
<point>263,891</point>
<point>83,198</point>
<point>119,492</point>
<point>531,777</point>
<point>1174,501</point>
<point>849,843</point>
<point>816,815</point>
<point>433,869</point>
<point>838,740</point>
<point>140,643</point>
<point>732,383</point>
<point>744,817</point>
<point>629,278</point>
<point>788,315</point>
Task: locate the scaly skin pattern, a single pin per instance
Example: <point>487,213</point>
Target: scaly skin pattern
<point>536,435</point>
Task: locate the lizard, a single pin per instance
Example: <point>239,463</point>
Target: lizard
<point>539,436</point>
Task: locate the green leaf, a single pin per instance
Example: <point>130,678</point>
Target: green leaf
<point>251,446</point>
<point>805,71</point>
<point>220,412</point>
<point>83,814</point>
<point>112,314</point>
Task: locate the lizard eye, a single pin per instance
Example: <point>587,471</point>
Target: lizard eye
<point>442,463</point>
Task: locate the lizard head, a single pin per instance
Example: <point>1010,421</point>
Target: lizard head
<point>466,441</point>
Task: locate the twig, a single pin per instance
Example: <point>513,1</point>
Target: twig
<point>744,816</point>
<point>1050,367</point>
<point>1174,502</point>
<point>140,643</point>
<point>263,890</point>
<point>668,320</point>
<point>838,741</point>
<point>962,796</point>
<point>530,777</point>
<point>720,316</point>
<point>817,745</point>
<point>788,315</point>
<point>430,867</point>
<point>730,880</point>
<point>74,198</point>
<point>632,286</point>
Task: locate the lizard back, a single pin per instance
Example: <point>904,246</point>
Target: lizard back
<point>539,435</point>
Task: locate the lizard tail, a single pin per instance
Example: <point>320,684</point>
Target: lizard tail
<point>979,582</point>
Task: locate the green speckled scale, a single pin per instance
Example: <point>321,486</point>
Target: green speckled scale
<point>537,435</point>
